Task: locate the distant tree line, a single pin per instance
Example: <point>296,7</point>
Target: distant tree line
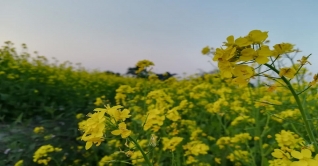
<point>131,71</point>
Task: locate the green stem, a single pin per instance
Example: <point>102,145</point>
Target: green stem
<point>257,130</point>
<point>223,126</point>
<point>141,150</point>
<point>303,90</point>
<point>301,109</point>
<point>265,131</point>
<point>251,154</point>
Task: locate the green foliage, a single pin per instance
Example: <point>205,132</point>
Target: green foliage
<point>35,92</point>
<point>37,88</point>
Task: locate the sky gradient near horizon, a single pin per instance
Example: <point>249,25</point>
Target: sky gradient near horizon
<point>114,35</point>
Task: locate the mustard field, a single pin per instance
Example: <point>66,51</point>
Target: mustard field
<point>254,111</point>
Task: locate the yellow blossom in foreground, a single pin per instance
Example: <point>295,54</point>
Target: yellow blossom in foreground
<point>122,130</point>
<point>304,157</point>
<point>154,119</point>
<point>226,68</point>
<point>283,48</point>
<point>263,53</point>
<point>287,72</point>
<point>94,128</point>
<point>257,36</point>
<point>280,154</point>
<point>118,114</point>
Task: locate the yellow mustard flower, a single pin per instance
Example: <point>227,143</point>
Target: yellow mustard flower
<point>94,128</point>
<point>230,41</point>
<point>242,42</point>
<point>262,55</point>
<point>239,155</point>
<point>137,158</point>
<point>191,160</point>
<point>288,139</point>
<point>287,72</point>
<point>206,50</point>
<point>257,36</point>
<point>248,54</point>
<point>243,71</point>
<point>170,144</point>
<point>118,114</point>
<point>106,161</point>
<point>19,163</point>
<point>304,60</point>
<point>173,114</point>
<point>304,157</point>
<point>38,130</point>
<point>122,130</point>
<point>282,48</point>
<point>241,138</point>
<point>79,116</point>
<point>98,101</point>
<point>143,64</point>
<point>41,155</point>
<point>226,69</point>
<point>196,148</point>
<point>221,142</point>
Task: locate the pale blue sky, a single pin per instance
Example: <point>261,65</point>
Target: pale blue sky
<point>114,35</point>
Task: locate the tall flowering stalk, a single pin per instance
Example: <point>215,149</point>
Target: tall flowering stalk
<point>238,56</point>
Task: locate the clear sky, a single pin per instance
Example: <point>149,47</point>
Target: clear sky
<point>114,35</point>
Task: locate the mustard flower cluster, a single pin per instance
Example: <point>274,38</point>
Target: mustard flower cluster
<point>41,155</point>
<point>94,127</point>
<point>142,65</point>
<point>170,144</point>
<point>292,151</point>
<point>233,60</point>
<point>288,140</point>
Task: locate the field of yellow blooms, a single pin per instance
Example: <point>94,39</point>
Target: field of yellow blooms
<point>62,114</point>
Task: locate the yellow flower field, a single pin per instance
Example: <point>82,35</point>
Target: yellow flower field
<point>62,114</point>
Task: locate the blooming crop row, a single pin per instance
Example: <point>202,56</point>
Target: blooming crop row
<point>214,119</point>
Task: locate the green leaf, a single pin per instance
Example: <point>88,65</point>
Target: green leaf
<point>19,119</point>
